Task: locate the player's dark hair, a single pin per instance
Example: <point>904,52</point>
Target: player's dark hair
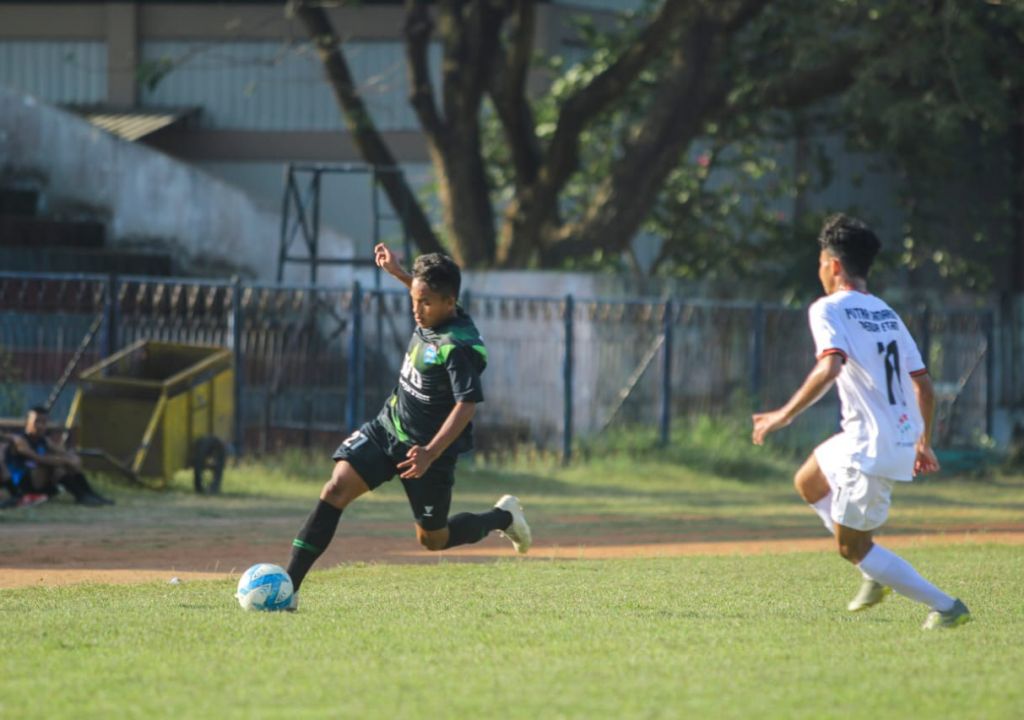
<point>439,272</point>
<point>39,410</point>
<point>852,241</point>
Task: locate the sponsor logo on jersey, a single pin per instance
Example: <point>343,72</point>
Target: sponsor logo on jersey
<point>430,355</point>
<point>904,425</point>
<point>410,373</point>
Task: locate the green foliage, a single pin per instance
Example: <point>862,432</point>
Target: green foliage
<point>150,73</point>
<point>929,101</point>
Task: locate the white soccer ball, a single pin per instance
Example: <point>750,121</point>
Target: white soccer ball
<point>264,587</point>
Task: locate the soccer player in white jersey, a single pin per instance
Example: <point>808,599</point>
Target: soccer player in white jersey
<point>888,404</point>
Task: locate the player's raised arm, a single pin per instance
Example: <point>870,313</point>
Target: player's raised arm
<point>386,260</point>
<point>818,381</point>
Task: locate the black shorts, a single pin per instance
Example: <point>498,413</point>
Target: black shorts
<point>375,454</point>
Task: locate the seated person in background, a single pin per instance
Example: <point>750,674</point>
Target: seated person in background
<point>37,466</point>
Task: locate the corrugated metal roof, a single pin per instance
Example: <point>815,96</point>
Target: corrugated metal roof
<point>132,125</point>
<point>57,71</point>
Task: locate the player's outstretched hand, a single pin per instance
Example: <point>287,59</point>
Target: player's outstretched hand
<point>767,422</point>
<point>418,459</point>
<point>925,462</point>
<point>385,259</point>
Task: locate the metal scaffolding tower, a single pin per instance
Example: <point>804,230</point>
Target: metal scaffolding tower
<point>300,216</point>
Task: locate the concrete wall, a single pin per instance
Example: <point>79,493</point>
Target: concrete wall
<point>146,197</point>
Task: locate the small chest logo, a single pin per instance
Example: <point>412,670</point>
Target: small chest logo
<point>430,355</point>
<point>904,425</point>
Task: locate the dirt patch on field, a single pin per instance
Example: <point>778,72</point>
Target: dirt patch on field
<point>121,551</point>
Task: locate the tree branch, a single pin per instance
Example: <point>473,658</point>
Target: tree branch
<point>535,207</point>
<point>745,13</point>
<point>364,132</point>
<point>606,87</point>
<point>418,28</point>
<point>471,32</point>
<point>508,93</point>
<point>682,104</point>
<point>804,87</point>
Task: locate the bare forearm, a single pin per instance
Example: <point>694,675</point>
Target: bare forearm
<point>925,393</point>
<point>49,460</point>
<point>402,276</point>
<point>817,384</point>
<point>454,424</point>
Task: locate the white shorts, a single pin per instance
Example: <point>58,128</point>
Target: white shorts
<point>859,501</point>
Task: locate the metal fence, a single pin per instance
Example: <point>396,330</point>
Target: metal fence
<point>312,362</point>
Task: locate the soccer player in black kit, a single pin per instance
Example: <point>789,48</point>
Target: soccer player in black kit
<point>421,430</point>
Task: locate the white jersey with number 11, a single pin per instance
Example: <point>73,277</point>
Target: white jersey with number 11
<point>881,420</point>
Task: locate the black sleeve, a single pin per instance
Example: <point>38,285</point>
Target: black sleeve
<point>465,377</point>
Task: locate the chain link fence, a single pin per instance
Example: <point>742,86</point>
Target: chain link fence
<point>312,363</point>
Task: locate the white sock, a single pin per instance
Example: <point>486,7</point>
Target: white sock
<point>890,569</point>
<point>823,508</point>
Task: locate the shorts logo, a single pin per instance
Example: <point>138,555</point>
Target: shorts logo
<point>428,511</point>
<point>430,355</point>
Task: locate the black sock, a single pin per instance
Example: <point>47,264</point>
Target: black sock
<point>313,539</point>
<point>467,528</point>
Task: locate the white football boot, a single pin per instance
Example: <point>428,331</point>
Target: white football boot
<point>519,531</point>
<point>870,594</point>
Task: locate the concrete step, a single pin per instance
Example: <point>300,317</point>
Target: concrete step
<point>16,230</point>
<point>84,260</point>
<point>20,203</point>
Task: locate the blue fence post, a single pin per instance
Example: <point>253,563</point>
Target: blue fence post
<point>567,380</point>
<point>111,317</point>
<point>757,355</point>
<point>355,360</point>
<point>666,373</point>
<point>236,348</point>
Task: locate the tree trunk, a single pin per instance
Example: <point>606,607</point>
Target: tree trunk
<point>529,221</point>
<point>466,200</point>
<point>623,200</point>
<point>471,42</point>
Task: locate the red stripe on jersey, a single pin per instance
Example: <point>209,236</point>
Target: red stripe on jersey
<point>832,351</point>
<point>919,373</point>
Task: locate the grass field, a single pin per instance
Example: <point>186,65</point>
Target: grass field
<point>761,636</point>
<point>734,636</point>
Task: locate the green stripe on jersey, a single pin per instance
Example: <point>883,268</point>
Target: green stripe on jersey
<point>445,350</point>
<point>399,432</point>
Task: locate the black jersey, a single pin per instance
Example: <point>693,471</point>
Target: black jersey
<point>442,367</point>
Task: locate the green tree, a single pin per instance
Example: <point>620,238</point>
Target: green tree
<point>680,96</point>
